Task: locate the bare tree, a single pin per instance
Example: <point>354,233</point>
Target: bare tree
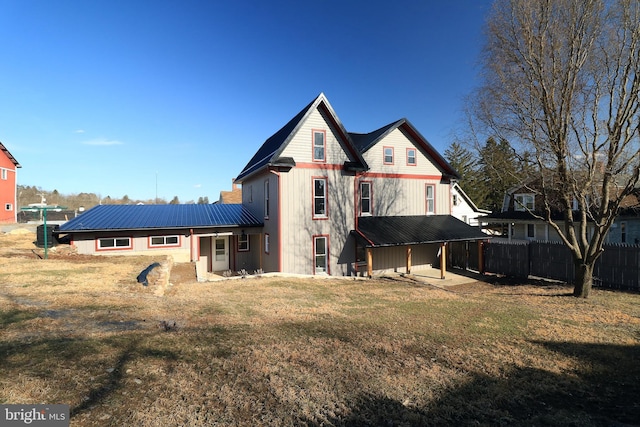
<point>561,81</point>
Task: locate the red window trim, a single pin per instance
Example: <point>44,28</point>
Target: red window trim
<point>150,246</point>
<point>326,198</point>
<point>120,248</point>
<point>313,250</point>
<point>313,145</point>
<point>393,156</point>
<point>415,157</point>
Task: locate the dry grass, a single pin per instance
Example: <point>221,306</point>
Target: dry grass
<point>82,331</point>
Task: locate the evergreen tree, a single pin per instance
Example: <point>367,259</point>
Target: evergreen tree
<point>500,170</point>
<point>466,164</point>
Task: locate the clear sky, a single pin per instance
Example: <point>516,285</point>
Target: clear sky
<point>117,96</point>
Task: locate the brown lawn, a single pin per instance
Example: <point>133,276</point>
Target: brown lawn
<point>286,352</point>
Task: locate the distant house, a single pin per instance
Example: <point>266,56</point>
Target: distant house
<point>231,197</point>
<point>316,199</point>
<point>463,208</point>
<point>8,186</point>
<point>522,209</point>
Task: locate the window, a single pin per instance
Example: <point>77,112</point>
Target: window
<point>319,197</point>
<point>4,174</point>
<point>455,200</point>
<point>319,146</point>
<point>8,207</point>
<point>531,231</point>
<point>221,252</point>
<point>524,202</point>
<point>411,157</point>
<point>365,198</point>
<point>266,244</point>
<point>243,242</point>
<point>114,243</point>
<point>155,241</point>
<point>321,254</point>
<point>388,155</point>
<point>266,200</point>
<point>623,232</point>
<point>430,200</point>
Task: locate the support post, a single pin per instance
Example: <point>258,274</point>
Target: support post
<point>480,257</point>
<point>443,259</point>
<point>369,262</point>
<point>408,259</point>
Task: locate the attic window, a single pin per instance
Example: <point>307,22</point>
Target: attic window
<point>411,156</point>
<point>319,146</point>
<point>524,202</point>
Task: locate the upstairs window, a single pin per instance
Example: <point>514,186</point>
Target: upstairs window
<point>524,202</point>
<point>319,146</point>
<point>4,174</point>
<point>319,197</point>
<point>430,199</point>
<point>411,157</point>
<point>365,198</point>
<point>388,156</point>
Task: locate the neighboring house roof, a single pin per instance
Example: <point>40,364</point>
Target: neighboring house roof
<point>9,155</point>
<point>364,141</point>
<point>147,217</point>
<point>415,229</point>
<point>269,153</point>
<point>231,197</point>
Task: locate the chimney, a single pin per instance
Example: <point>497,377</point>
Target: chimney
<point>234,186</point>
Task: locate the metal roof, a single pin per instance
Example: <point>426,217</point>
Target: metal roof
<point>269,153</point>
<point>410,230</point>
<point>140,217</point>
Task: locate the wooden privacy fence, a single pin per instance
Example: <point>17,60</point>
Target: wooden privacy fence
<point>617,268</point>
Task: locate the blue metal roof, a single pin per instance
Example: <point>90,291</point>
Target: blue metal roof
<point>140,217</point>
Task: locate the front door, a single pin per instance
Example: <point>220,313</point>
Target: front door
<point>220,254</point>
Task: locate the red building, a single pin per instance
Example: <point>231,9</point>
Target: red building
<point>8,186</point>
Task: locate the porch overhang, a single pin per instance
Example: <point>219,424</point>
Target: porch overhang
<point>381,231</point>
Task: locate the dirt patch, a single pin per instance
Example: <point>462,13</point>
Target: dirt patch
<point>183,272</point>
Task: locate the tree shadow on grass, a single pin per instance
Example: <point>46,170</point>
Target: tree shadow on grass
<point>603,393</point>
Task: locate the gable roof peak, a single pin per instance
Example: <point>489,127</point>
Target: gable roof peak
<point>273,147</point>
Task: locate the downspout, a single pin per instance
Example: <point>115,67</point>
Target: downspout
<point>279,245</point>
<point>191,242</point>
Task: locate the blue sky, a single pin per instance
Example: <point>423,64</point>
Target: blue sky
<point>115,96</point>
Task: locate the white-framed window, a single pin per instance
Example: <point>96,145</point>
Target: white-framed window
<point>319,145</point>
<point>430,199</point>
<point>321,254</point>
<point>411,157</point>
<point>114,243</point>
<point>266,243</point>
<point>159,241</point>
<point>524,202</point>
<point>243,242</point>
<point>388,156</point>
<point>4,174</point>
<point>266,199</point>
<point>366,198</point>
<point>455,200</point>
<point>8,207</point>
<point>320,197</point>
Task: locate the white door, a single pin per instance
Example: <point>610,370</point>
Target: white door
<point>220,254</point>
